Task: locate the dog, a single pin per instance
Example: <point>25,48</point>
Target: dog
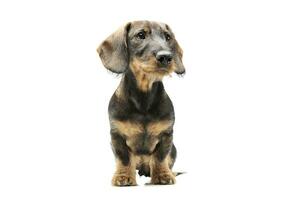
<point>141,113</point>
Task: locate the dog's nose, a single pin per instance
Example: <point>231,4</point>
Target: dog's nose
<point>164,57</point>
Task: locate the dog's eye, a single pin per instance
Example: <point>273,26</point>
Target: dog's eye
<point>167,36</point>
<point>141,35</point>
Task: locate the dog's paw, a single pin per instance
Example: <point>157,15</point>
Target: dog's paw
<point>123,180</point>
<point>163,179</point>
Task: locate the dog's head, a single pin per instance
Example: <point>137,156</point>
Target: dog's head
<point>144,46</point>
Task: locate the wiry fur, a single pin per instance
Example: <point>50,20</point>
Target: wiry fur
<point>141,113</point>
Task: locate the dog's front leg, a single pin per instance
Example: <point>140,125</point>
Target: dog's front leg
<point>159,165</point>
<point>125,174</point>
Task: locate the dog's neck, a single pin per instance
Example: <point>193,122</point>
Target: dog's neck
<point>142,100</point>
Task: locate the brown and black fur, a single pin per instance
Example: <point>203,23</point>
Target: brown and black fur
<point>140,111</point>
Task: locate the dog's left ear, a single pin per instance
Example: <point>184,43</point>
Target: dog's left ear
<point>113,51</point>
<point>179,69</point>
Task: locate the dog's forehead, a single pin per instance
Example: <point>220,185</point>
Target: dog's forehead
<point>149,25</point>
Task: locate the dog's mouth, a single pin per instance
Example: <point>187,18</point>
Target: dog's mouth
<point>156,70</point>
<point>159,70</point>
<point>152,67</point>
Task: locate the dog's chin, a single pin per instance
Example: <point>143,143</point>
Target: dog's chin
<point>158,71</point>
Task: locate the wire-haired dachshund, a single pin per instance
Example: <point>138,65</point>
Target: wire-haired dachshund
<point>140,111</point>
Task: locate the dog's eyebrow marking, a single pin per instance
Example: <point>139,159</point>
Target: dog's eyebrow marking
<point>127,128</point>
<point>155,128</point>
<point>167,27</point>
<point>145,29</point>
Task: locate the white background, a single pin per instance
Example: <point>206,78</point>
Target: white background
<point>232,107</point>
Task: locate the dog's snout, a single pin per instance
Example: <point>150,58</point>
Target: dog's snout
<point>164,57</point>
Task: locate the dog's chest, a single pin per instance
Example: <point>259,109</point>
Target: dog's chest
<point>130,128</point>
<point>140,137</point>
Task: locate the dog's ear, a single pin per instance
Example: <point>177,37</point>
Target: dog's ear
<point>179,69</point>
<point>113,51</point>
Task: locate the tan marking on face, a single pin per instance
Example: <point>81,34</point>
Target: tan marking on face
<point>147,72</point>
<point>155,128</point>
<point>127,128</point>
<point>139,25</point>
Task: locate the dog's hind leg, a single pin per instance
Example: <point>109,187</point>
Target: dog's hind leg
<point>172,156</point>
<point>172,159</point>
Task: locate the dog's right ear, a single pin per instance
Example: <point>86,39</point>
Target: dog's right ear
<point>113,51</point>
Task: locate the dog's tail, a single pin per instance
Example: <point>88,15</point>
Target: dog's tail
<point>178,173</point>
